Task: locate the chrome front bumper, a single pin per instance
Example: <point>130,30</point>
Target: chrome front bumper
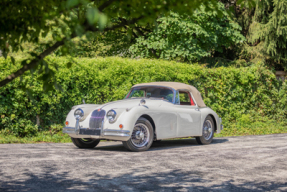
<point>119,135</point>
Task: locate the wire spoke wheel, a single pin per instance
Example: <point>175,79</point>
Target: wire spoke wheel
<point>140,135</point>
<point>207,129</point>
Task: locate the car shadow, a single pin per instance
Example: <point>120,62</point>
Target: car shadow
<point>161,145</point>
<point>180,143</point>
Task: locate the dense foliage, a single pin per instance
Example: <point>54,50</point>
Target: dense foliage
<point>183,37</point>
<point>237,94</point>
<point>29,20</point>
<point>189,38</point>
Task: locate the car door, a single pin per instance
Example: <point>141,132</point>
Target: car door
<point>188,115</point>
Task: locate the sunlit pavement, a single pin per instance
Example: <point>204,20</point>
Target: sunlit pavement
<point>257,163</point>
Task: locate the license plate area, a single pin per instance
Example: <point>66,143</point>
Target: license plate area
<point>90,132</point>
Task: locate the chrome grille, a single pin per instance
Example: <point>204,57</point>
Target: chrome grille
<point>97,119</point>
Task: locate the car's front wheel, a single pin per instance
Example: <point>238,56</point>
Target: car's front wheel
<point>85,143</point>
<point>142,136</point>
<point>207,131</point>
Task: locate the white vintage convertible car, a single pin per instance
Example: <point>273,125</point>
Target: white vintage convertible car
<point>150,112</point>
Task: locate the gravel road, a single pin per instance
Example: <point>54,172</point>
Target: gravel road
<point>249,163</point>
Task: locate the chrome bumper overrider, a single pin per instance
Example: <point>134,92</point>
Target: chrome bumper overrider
<point>105,132</point>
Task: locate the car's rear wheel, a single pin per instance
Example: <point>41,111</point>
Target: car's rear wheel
<point>142,136</point>
<point>207,131</point>
<point>85,142</point>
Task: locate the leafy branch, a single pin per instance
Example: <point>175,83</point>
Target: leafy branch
<point>32,64</point>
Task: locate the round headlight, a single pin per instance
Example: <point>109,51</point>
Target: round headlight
<point>111,115</point>
<point>79,113</point>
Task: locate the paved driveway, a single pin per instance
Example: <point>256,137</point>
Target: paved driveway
<point>257,163</point>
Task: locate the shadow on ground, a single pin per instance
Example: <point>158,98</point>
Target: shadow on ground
<point>175,180</point>
<point>164,144</point>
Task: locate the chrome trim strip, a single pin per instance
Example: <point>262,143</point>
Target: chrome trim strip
<point>117,133</point>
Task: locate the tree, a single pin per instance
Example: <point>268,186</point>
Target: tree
<point>29,20</point>
<point>189,38</point>
<point>267,34</point>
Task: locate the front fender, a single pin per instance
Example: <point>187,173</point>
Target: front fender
<point>164,119</point>
<point>127,118</point>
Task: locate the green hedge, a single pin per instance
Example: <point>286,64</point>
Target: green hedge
<point>249,92</point>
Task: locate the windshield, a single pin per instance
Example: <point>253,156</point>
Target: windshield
<point>151,92</point>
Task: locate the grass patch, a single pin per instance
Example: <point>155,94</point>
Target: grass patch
<point>243,128</point>
<point>40,137</point>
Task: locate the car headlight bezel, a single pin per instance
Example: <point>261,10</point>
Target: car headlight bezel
<point>79,114</point>
<point>111,116</point>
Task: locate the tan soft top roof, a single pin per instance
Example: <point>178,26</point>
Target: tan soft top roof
<point>178,86</point>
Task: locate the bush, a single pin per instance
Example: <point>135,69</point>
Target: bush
<point>19,126</point>
<point>236,94</point>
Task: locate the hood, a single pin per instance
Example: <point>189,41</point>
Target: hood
<point>129,103</point>
<point>120,104</point>
<point>125,103</point>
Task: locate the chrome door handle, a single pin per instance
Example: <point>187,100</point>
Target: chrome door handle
<point>196,109</point>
